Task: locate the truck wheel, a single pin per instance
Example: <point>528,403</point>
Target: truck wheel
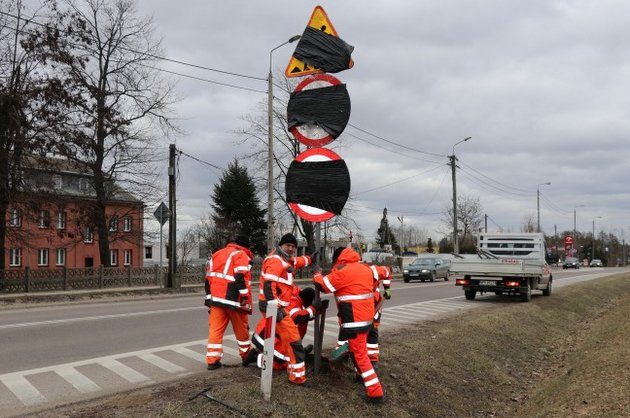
<point>526,292</point>
<point>547,291</point>
<point>470,294</point>
<point>433,276</point>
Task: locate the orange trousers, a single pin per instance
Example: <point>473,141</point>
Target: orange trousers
<point>291,345</point>
<point>364,366</point>
<point>217,323</point>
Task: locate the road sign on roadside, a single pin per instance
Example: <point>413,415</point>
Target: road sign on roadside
<point>568,240</point>
<point>319,20</point>
<point>317,184</point>
<point>318,110</point>
<point>162,214</point>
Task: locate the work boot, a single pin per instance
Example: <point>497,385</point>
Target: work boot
<point>251,357</point>
<point>214,366</point>
<point>374,399</point>
<point>308,349</point>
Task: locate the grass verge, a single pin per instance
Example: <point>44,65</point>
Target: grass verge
<point>566,355</point>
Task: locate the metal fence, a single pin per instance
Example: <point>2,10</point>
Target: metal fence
<point>46,280</point>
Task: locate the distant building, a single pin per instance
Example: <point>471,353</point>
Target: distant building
<point>49,222</point>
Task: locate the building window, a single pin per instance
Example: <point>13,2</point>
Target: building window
<point>15,257</point>
<point>83,184</point>
<point>127,224</point>
<point>113,223</point>
<point>44,219</point>
<point>87,236</point>
<point>16,218</point>
<point>148,253</point>
<point>42,257</point>
<point>57,181</point>
<point>61,256</point>
<point>61,220</point>
<point>127,257</point>
<point>113,257</point>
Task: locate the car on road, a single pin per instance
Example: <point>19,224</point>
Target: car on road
<point>596,263</point>
<point>571,263</point>
<point>425,268</point>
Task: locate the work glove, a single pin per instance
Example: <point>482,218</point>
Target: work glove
<point>388,294</point>
<point>281,314</point>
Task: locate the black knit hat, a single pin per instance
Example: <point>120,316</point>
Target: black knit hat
<point>242,240</point>
<point>288,239</point>
<point>337,253</point>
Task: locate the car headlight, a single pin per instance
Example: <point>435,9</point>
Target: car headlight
<point>425,271</point>
<point>405,271</point>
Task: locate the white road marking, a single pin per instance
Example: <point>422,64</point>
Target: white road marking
<point>93,318</point>
<point>77,379</point>
<point>125,372</point>
<point>23,390</point>
<point>190,354</point>
<point>161,363</point>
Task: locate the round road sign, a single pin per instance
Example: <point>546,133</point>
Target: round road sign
<point>309,134</point>
<point>307,212</point>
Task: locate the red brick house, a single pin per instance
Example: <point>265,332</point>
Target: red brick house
<point>48,224</point>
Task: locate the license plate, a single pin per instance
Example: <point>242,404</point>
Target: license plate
<point>414,274</point>
<point>487,283</point>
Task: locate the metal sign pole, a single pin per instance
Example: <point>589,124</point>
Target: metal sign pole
<point>317,349</point>
<point>268,348</point>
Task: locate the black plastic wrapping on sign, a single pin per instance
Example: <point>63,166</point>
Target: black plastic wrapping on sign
<point>323,51</point>
<point>324,185</point>
<point>327,107</point>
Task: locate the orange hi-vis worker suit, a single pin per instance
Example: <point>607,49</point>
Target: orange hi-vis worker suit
<point>276,283</point>
<point>352,283</point>
<point>228,291</point>
<point>300,314</point>
<point>382,275</point>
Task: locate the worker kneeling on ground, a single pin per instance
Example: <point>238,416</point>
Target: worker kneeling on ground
<point>229,297</point>
<point>276,283</point>
<point>352,283</point>
<point>301,310</point>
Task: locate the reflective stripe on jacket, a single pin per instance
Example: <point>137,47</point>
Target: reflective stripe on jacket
<point>276,279</point>
<point>225,290</point>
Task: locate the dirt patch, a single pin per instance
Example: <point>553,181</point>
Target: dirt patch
<point>566,355</point>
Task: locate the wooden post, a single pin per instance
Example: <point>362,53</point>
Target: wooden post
<point>156,275</point>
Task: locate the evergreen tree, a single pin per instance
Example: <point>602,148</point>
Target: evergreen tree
<point>430,248</point>
<point>237,208</point>
<point>384,234</point>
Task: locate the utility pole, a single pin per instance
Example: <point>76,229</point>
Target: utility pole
<point>485,223</point>
<point>171,281</point>
<point>401,219</point>
<point>538,201</point>
<point>455,243</point>
<point>453,167</point>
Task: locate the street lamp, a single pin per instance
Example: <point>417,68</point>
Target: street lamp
<point>270,239</point>
<point>538,200</point>
<point>593,249</point>
<point>453,165</point>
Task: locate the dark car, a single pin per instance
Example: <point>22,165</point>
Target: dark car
<point>571,263</point>
<point>426,269</point>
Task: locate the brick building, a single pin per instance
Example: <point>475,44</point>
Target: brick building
<point>49,224</point>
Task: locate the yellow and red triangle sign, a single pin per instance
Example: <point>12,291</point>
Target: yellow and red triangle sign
<point>319,20</point>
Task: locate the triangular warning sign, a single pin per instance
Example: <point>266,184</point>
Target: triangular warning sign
<point>319,20</point>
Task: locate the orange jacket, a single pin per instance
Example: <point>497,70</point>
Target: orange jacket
<point>298,312</point>
<point>224,286</point>
<point>352,283</point>
<point>276,279</point>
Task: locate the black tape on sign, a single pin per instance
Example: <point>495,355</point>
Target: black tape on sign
<point>324,185</point>
<point>328,107</point>
<point>323,51</point>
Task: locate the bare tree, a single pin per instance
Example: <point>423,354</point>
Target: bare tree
<point>113,100</point>
<point>186,246</point>
<point>529,223</point>
<point>469,220</point>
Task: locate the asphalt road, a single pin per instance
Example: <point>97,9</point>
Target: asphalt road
<point>58,354</point>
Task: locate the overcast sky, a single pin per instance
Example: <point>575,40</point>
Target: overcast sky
<point>542,87</point>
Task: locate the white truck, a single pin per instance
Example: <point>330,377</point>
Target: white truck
<point>510,263</point>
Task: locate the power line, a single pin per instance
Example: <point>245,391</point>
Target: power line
<point>490,188</point>
<point>396,143</point>
<point>496,181</point>
<point>492,220</point>
<point>395,182</point>
<point>203,79</point>
<point>158,57</point>
<point>390,150</point>
<point>201,161</point>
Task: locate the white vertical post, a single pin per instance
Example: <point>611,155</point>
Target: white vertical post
<point>267,359</point>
